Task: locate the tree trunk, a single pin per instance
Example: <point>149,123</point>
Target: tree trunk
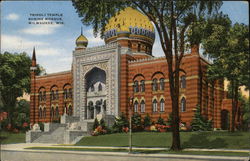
<point>234,104</point>
<point>175,125</point>
<point>174,91</point>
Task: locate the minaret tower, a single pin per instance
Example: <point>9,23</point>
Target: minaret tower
<point>81,42</point>
<point>33,68</point>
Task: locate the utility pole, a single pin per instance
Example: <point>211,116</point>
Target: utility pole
<point>131,100</point>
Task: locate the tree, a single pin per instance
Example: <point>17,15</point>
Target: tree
<point>14,80</point>
<point>200,123</point>
<point>136,122</point>
<point>246,114</point>
<point>229,47</point>
<point>120,123</point>
<point>171,19</point>
<point>147,121</point>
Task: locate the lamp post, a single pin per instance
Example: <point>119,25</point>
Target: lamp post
<point>131,100</point>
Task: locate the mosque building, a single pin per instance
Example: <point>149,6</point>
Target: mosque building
<point>103,78</point>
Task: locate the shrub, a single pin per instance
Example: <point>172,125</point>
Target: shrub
<point>41,125</point>
<point>161,128</point>
<point>96,124</point>
<point>200,123</point>
<point>160,121</point>
<point>120,123</point>
<point>4,124</point>
<point>169,122</point>
<point>136,122</point>
<point>147,122</point>
<point>99,131</point>
<point>99,128</point>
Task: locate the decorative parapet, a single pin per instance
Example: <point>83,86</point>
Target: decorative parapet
<point>102,48</point>
<point>69,119</point>
<point>146,59</point>
<point>205,58</point>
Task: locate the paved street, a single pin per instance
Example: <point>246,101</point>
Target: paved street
<point>16,152</point>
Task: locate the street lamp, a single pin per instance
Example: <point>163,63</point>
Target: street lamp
<point>131,100</point>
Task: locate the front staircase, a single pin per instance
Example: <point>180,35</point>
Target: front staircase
<point>55,136</point>
<point>69,131</point>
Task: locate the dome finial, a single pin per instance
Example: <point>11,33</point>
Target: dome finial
<point>81,41</point>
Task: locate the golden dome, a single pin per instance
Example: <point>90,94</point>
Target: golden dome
<point>81,41</point>
<point>129,20</point>
<point>81,38</point>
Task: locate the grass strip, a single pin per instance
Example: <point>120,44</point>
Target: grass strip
<point>146,151</point>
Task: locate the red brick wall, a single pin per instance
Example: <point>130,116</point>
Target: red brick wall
<point>197,89</point>
<point>48,81</point>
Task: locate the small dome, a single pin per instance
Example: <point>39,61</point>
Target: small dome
<point>81,41</point>
<point>130,21</point>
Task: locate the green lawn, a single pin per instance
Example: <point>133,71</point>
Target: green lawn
<point>218,139</point>
<point>227,140</point>
<point>217,153</point>
<point>9,138</point>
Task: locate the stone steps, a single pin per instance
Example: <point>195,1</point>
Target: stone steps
<point>56,136</point>
<point>69,131</point>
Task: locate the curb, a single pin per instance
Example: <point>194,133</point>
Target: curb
<point>125,154</point>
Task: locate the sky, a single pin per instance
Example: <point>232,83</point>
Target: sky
<point>54,43</point>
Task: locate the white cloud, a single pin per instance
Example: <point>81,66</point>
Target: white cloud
<point>55,66</point>
<point>12,16</point>
<point>48,51</point>
<point>95,41</point>
<point>65,59</point>
<point>18,44</point>
<point>40,29</point>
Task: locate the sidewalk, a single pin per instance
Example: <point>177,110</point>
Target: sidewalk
<point>21,148</point>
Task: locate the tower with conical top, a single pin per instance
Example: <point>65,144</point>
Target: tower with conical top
<point>81,42</point>
<point>33,68</point>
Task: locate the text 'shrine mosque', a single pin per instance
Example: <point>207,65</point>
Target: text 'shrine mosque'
<point>102,80</point>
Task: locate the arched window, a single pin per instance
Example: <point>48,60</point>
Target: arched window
<point>142,106</point>
<point>162,84</point>
<point>57,111</point>
<point>44,112</point>
<point>44,95</point>
<point>104,106</point>
<point>155,85</point>
<point>99,87</point>
<point>70,111</point>
<point>40,96</point>
<point>52,112</point>
<point>136,87</point>
<point>136,106</point>
<point>65,93</point>
<point>52,95</point>
<point>142,84</point>
<point>183,104</point>
<point>57,95</point>
<point>70,93</point>
<point>155,105</point>
<point>183,81</point>
<point>162,105</point>
<point>92,88</point>
<point>40,112</point>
